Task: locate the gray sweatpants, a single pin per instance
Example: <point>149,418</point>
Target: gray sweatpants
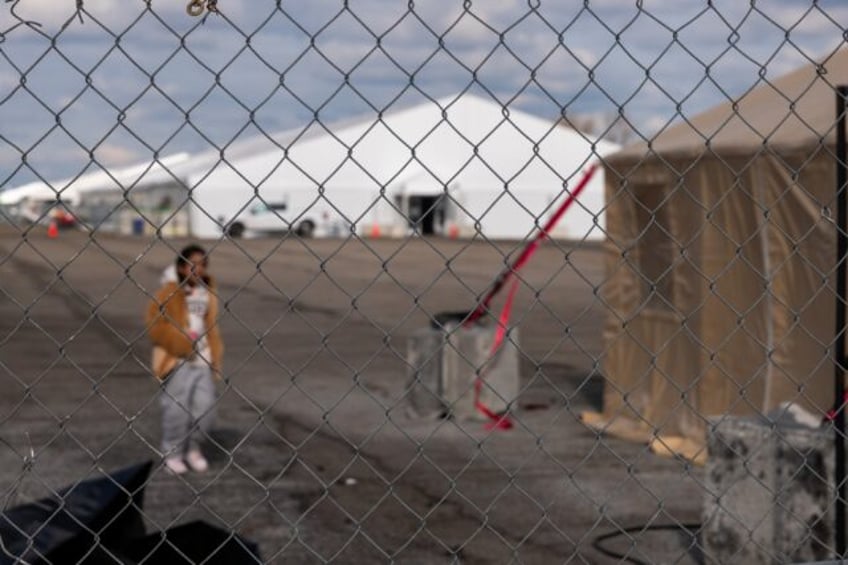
<point>188,401</point>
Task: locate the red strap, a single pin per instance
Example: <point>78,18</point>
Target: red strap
<point>831,414</point>
<point>502,421</point>
<point>531,247</point>
<point>498,421</point>
<point>503,319</point>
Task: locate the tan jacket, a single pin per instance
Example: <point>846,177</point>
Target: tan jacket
<point>168,328</point>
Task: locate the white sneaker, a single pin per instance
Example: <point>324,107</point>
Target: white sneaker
<point>175,465</point>
<point>197,461</point>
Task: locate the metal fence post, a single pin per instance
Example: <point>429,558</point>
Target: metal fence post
<point>839,350</point>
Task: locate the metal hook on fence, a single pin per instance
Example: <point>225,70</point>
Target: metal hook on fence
<point>196,7</point>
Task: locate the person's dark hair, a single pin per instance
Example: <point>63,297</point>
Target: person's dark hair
<point>188,251</point>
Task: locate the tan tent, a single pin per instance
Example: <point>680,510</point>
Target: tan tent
<point>720,264</point>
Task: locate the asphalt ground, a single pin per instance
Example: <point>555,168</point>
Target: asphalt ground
<point>316,454</point>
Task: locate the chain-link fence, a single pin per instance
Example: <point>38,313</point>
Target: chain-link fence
<point>467,282</point>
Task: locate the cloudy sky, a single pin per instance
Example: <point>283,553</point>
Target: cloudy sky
<point>124,79</point>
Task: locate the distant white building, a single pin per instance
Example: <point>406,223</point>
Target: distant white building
<point>460,166</point>
<point>31,201</point>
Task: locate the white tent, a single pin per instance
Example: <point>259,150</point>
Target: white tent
<point>483,166</point>
<point>71,190</point>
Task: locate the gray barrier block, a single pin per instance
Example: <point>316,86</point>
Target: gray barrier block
<point>769,492</point>
<point>444,364</point>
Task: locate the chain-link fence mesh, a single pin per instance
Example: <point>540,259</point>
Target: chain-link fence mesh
<point>477,282</point>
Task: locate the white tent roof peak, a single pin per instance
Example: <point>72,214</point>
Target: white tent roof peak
<point>474,120</point>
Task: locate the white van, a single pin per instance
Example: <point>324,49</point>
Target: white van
<point>306,218</point>
<point>267,217</point>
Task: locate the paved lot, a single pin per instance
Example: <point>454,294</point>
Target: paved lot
<point>316,455</point>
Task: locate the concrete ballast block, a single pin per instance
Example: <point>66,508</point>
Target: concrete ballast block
<point>444,365</point>
<point>769,492</point>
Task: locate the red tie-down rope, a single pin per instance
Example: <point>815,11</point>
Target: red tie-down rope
<point>831,414</point>
<point>496,421</point>
<point>502,421</point>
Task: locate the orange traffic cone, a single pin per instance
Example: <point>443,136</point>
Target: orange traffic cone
<point>53,230</point>
<point>375,230</point>
<point>453,231</point>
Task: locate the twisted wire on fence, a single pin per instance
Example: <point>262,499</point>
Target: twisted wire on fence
<point>525,282</point>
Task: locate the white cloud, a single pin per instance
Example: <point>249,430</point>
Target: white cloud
<point>7,82</point>
<point>110,155</point>
<point>53,14</point>
<point>581,55</point>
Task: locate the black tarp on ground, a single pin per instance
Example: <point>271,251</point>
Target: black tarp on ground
<point>62,528</point>
<point>195,542</point>
<point>99,521</point>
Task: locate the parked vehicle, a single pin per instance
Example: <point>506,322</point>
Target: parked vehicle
<point>295,211</point>
<point>267,217</point>
<point>37,211</point>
